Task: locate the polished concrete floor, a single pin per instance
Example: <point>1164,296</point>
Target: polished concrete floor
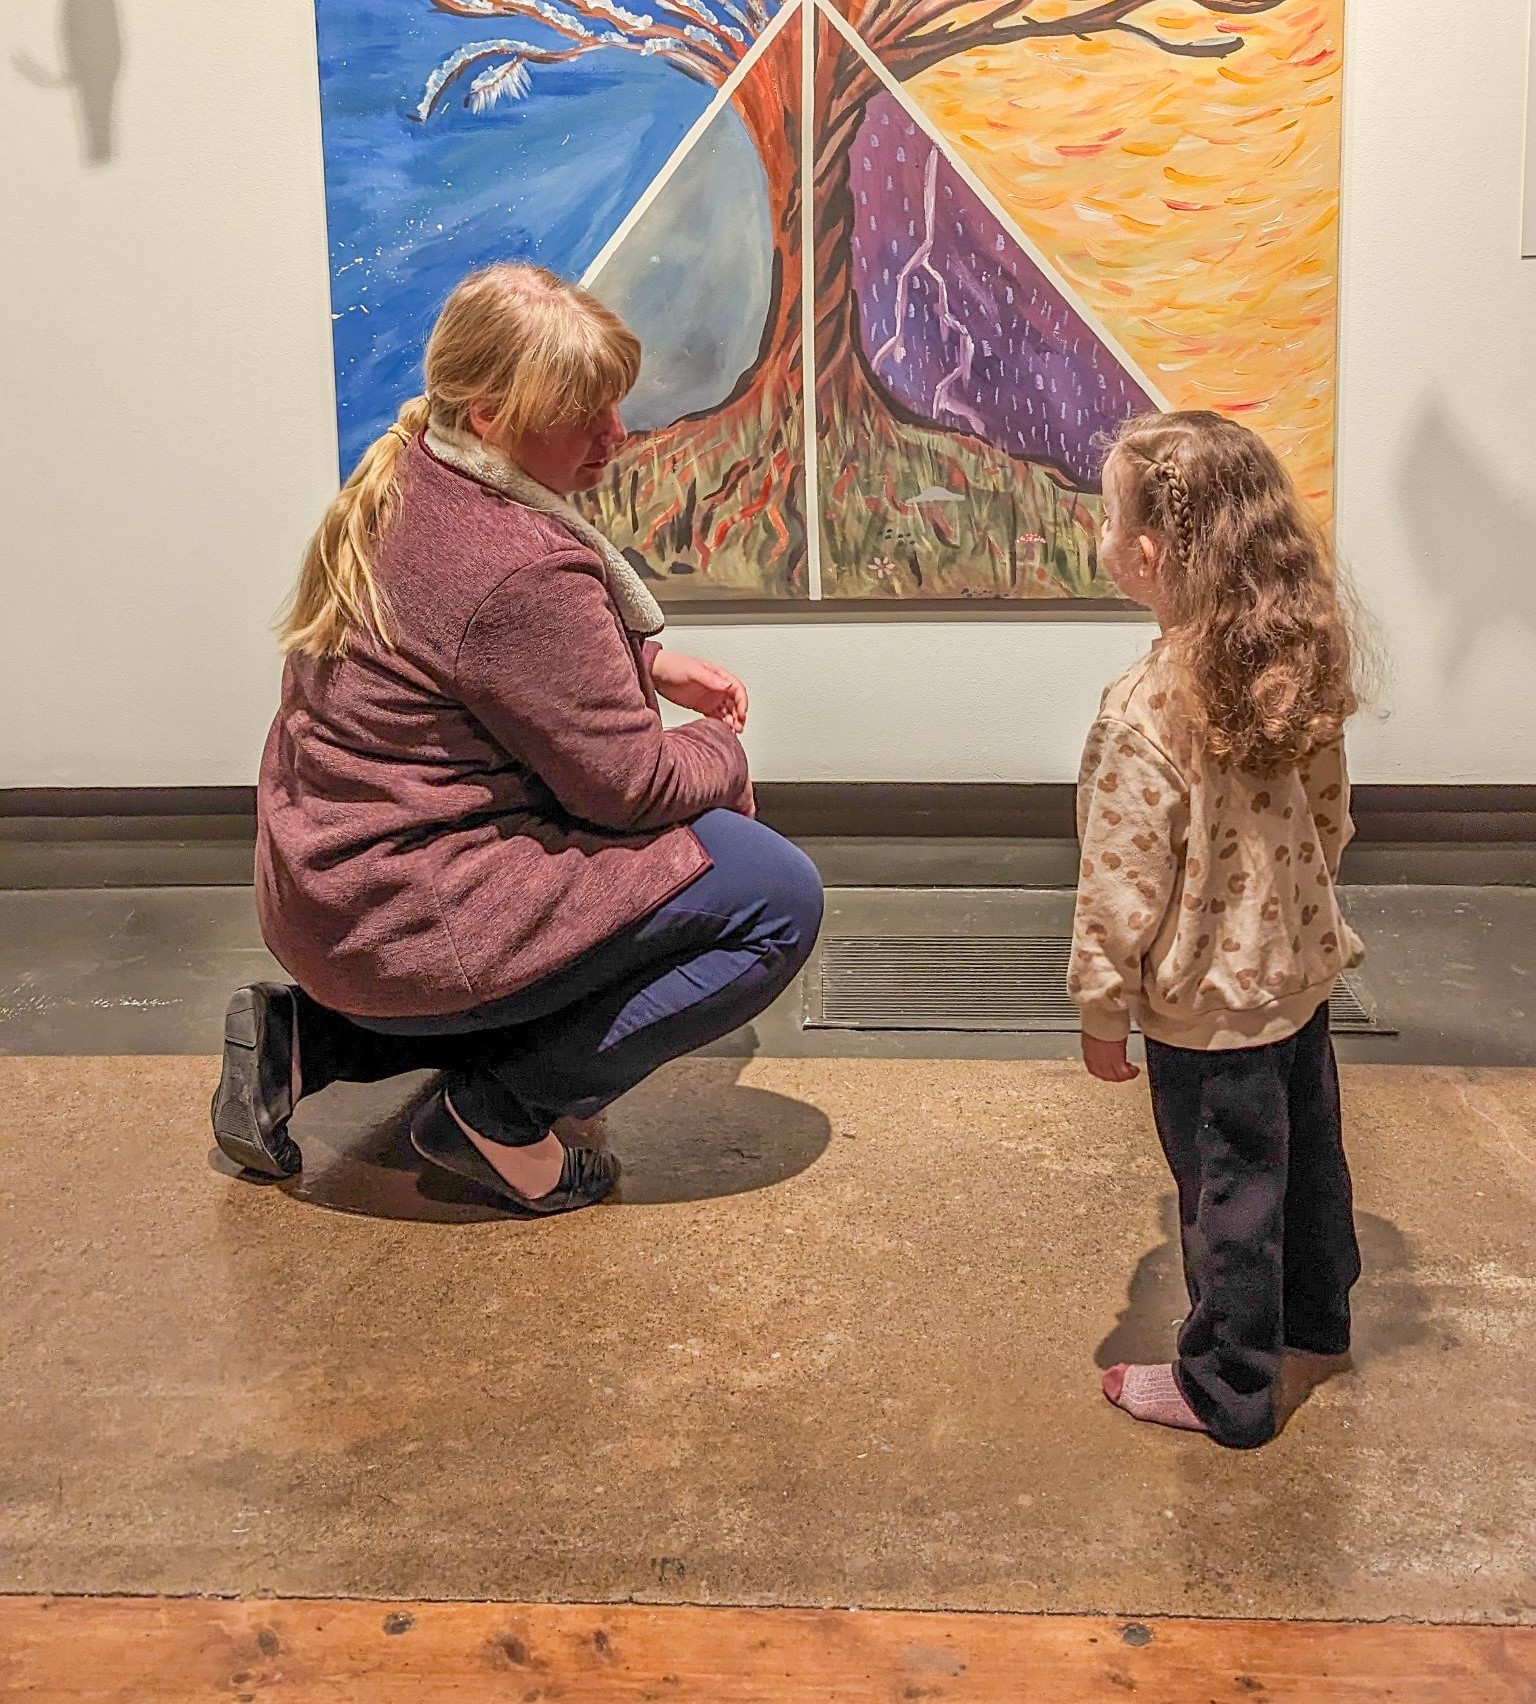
<point>835,1344</point>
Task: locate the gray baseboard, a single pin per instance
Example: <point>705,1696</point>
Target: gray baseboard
<point>860,834</point>
<point>945,863</point>
<point>154,837</point>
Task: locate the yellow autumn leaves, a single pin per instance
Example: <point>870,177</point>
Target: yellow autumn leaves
<point>1192,203</point>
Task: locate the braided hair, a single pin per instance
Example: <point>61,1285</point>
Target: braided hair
<point>1247,588</point>
<point>1180,509</point>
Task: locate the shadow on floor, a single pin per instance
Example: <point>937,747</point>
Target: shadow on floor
<point>700,1135</point>
<point>1391,1310</point>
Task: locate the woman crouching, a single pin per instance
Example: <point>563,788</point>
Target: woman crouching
<point>479,850</point>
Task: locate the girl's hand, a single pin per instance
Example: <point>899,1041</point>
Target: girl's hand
<point>697,685</point>
<point>1106,1060</point>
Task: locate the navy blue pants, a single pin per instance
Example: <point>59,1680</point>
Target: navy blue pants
<point>1266,1218</point>
<point>700,966</point>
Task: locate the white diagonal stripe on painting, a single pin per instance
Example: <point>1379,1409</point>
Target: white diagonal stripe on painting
<point>811,454</point>
<point>718,103</point>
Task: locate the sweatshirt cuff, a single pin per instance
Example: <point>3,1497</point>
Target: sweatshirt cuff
<point>1106,1025</point>
<point>649,650</point>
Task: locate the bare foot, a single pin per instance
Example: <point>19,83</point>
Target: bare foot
<point>1152,1394</point>
<point>532,1171</point>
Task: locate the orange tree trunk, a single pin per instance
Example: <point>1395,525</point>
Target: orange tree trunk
<point>769,104</point>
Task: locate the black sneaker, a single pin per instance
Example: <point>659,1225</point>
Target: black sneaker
<point>254,1099</point>
<point>587,1175</point>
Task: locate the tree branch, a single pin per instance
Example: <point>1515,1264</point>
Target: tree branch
<point>931,47</point>
<point>1185,49</point>
<point>504,65</point>
<point>716,45</point>
<point>599,11</point>
<point>483,54</point>
<point>573,27</point>
<point>698,13</point>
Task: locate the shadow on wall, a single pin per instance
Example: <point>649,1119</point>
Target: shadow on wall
<point>1473,538</point>
<point>91,62</point>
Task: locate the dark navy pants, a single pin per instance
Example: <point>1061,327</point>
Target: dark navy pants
<point>702,965</point>
<point>1266,1217</point>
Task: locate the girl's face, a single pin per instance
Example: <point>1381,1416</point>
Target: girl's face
<point>572,458</point>
<point>1128,557</point>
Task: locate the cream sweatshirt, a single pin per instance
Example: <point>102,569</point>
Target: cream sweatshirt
<point>1206,906</point>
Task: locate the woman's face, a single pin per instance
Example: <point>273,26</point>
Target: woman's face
<point>572,458</point>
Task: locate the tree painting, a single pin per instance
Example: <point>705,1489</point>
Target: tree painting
<point>906,262</point>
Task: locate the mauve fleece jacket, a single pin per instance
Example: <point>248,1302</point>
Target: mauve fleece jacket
<point>445,820</point>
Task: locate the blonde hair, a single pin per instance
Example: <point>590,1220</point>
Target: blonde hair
<point>1258,627</point>
<point>516,343</point>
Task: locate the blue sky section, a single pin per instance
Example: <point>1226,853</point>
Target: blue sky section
<point>412,207</point>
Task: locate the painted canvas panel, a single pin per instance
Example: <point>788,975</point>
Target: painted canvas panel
<point>898,265</point>
<point>709,495</point>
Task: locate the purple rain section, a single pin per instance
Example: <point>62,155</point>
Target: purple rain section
<point>986,343</point>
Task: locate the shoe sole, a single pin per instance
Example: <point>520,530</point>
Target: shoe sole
<point>250,1129</point>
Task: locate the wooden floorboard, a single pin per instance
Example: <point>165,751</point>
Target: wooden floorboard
<point>296,1651</point>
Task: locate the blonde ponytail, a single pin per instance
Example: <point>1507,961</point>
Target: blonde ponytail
<point>337,596</point>
<point>513,341</point>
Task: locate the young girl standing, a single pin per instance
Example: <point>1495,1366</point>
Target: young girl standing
<point>1213,807</point>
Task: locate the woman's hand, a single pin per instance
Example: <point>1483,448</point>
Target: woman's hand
<point>697,685</point>
<point>1106,1060</point>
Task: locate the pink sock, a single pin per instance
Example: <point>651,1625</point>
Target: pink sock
<point>1151,1393</point>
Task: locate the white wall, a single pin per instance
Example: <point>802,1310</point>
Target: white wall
<point>168,437</point>
<point>166,418</point>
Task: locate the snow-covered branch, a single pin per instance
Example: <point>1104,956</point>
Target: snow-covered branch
<point>700,35</point>
<point>502,72</point>
<point>501,68</point>
<point>599,11</point>
<point>699,14</point>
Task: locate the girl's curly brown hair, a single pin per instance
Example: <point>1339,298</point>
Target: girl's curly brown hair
<point>1252,608</point>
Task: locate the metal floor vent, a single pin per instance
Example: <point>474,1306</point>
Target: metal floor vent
<point>980,982</point>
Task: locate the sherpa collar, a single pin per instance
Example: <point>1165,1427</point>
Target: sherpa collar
<point>466,453</point>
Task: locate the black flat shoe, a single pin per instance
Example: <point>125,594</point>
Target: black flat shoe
<point>586,1174</point>
<point>254,1099</point>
